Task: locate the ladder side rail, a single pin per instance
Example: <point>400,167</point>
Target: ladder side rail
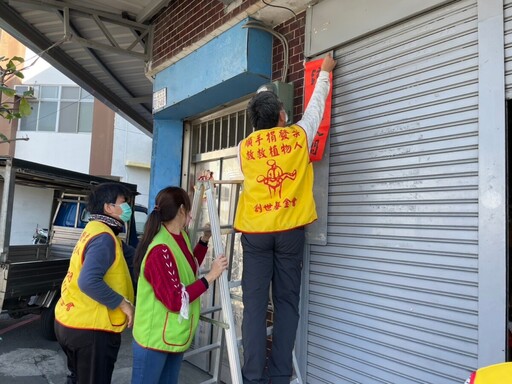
<point>227,313</point>
<point>218,249</point>
<point>229,249</point>
<point>193,228</point>
<point>230,239</point>
<point>196,211</point>
<point>217,357</point>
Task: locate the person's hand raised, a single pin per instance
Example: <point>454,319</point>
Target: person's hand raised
<point>328,64</point>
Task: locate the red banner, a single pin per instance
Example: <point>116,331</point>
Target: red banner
<point>311,73</point>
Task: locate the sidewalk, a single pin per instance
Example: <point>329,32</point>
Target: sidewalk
<point>27,358</point>
<point>189,374</point>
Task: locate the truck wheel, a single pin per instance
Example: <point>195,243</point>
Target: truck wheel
<point>48,321</point>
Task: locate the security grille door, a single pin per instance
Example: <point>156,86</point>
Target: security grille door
<point>393,294</point>
<point>214,146</point>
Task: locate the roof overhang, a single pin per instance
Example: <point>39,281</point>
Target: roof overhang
<point>105,47</point>
<point>103,50</point>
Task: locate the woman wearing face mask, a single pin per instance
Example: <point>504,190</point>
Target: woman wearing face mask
<point>96,294</point>
<point>168,289</point>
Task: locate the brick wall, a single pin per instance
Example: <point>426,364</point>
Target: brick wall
<point>184,22</point>
<point>294,31</point>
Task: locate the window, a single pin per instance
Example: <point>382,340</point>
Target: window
<point>63,108</point>
<point>220,130</point>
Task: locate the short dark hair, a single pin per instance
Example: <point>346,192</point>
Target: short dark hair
<point>264,109</point>
<point>106,193</point>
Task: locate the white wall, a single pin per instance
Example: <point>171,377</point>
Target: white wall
<point>32,208</point>
<point>131,157</point>
<point>39,71</point>
<point>63,150</point>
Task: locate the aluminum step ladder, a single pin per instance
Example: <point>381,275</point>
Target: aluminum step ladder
<point>226,330</point>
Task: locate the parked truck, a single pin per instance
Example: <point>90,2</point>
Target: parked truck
<point>31,274</point>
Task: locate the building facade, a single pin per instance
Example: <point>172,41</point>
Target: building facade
<point>70,129</point>
<point>406,273</point>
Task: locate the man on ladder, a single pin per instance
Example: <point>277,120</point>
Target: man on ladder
<point>275,204</point>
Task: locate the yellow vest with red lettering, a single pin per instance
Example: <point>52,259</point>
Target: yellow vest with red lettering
<point>277,193</point>
<point>77,310</point>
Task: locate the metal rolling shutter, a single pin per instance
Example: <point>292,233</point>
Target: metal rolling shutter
<point>508,48</point>
<point>393,294</point>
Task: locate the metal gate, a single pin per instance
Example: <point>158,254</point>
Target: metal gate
<point>393,294</point>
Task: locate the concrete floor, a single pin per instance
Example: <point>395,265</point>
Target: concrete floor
<point>189,373</point>
<point>27,358</point>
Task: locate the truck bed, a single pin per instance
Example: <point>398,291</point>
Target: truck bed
<point>33,269</point>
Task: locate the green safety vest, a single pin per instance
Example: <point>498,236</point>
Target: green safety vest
<point>155,326</point>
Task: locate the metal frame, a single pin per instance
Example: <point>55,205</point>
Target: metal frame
<point>492,189</point>
<point>15,25</point>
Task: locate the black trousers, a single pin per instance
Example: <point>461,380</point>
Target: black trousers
<point>277,258</point>
<point>91,355</point>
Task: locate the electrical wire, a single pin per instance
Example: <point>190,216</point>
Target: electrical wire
<point>279,6</point>
<point>40,54</point>
<point>260,25</point>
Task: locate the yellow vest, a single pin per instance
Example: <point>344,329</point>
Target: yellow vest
<point>277,193</point>
<point>77,310</point>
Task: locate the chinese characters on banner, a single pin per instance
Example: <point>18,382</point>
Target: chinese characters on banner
<point>311,73</point>
<point>269,144</point>
<point>275,148</point>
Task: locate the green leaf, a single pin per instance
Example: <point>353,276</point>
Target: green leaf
<point>25,108</point>
<point>19,74</point>
<point>3,137</point>
<point>7,91</point>
<point>18,59</point>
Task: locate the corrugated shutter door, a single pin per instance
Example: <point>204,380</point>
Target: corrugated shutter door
<point>508,48</point>
<point>393,295</point>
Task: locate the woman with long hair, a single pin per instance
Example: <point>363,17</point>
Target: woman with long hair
<point>167,305</point>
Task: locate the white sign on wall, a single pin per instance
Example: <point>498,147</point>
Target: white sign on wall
<point>159,99</point>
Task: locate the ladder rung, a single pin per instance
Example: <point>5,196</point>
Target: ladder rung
<point>214,322</point>
<point>197,351</point>
<point>234,181</point>
<point>236,297</point>
<point>224,229</point>
<point>211,310</point>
